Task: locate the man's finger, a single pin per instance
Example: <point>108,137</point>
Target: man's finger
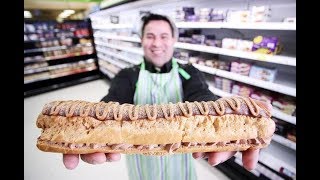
<point>94,158</point>
<point>199,155</point>
<point>113,157</point>
<point>70,161</point>
<point>250,158</point>
<point>215,158</point>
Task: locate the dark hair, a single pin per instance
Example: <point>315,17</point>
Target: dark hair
<point>151,17</point>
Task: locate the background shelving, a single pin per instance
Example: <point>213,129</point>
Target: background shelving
<point>58,55</point>
<point>120,42</point>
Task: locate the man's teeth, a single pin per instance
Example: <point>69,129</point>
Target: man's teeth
<point>157,51</point>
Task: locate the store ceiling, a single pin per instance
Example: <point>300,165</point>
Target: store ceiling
<point>59,4</point>
<point>50,9</point>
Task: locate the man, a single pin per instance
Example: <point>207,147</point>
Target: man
<point>160,79</point>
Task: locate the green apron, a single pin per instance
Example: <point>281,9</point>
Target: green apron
<point>153,88</point>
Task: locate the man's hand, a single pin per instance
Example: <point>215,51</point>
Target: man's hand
<point>250,157</point>
<point>71,161</point>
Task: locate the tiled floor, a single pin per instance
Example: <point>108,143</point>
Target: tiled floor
<point>39,165</point>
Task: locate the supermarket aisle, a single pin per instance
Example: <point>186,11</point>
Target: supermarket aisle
<point>40,165</point>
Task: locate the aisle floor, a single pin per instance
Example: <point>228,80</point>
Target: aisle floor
<point>39,165</point>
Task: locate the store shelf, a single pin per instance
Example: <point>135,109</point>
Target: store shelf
<point>60,75</point>
<point>286,117</point>
<point>228,25</point>
<point>108,73</point>
<point>117,37</point>
<point>275,113</point>
<point>61,82</point>
<point>55,38</point>
<point>59,57</point>
<point>134,50</point>
<point>119,56</point>
<point>54,48</point>
<point>245,79</point>
<point>277,157</point>
<point>277,59</point>
<point>215,25</point>
<point>45,49</point>
<point>284,141</point>
<point>112,26</point>
<point>285,60</point>
<point>114,62</point>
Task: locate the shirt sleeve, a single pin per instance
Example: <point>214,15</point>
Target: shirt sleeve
<point>122,87</point>
<point>196,88</point>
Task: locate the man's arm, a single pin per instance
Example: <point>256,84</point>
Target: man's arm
<point>122,87</point>
<point>196,88</point>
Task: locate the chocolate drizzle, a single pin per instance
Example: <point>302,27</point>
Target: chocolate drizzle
<point>115,111</point>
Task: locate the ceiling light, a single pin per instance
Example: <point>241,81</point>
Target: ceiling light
<point>27,14</point>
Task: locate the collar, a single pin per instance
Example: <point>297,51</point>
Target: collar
<point>164,69</point>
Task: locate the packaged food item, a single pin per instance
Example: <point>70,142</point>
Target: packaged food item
<point>229,43</point>
<point>262,96</point>
<point>284,104</point>
<point>238,16</point>
<point>217,15</point>
<point>244,45</point>
<point>262,73</point>
<point>240,68</point>
<point>259,13</point>
<point>266,45</point>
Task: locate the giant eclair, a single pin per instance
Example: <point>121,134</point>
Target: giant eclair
<point>228,124</point>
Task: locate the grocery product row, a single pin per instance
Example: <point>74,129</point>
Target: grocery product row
<point>260,76</point>
<point>51,72</point>
<point>243,47</point>
<point>261,50</point>
<point>57,54</point>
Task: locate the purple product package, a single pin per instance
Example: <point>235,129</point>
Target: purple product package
<point>265,45</point>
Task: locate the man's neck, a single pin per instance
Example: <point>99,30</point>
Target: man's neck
<point>153,69</point>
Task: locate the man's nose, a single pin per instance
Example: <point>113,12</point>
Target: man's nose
<point>156,42</point>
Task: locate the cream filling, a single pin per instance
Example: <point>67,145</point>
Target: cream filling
<point>168,147</point>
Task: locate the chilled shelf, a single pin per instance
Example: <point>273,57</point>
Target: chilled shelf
<point>277,158</point>
<point>112,26</point>
<point>277,59</point>
<point>245,79</point>
<point>60,75</point>
<point>215,25</point>
<point>229,25</point>
<point>114,62</point>
<point>284,141</point>
<point>134,50</point>
<point>54,48</point>
<point>275,113</point>
<point>117,37</point>
<point>119,56</point>
<point>106,72</point>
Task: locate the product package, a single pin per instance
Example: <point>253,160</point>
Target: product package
<point>266,45</point>
<point>262,73</point>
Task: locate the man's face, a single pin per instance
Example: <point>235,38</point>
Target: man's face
<point>157,42</point>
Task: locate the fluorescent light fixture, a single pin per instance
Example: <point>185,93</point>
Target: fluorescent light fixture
<point>69,11</point>
<point>66,13</point>
<point>27,14</point>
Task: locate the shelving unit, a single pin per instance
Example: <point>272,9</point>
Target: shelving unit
<point>280,155</point>
<point>58,55</point>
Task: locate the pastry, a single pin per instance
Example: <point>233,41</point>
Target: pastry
<point>227,124</point>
